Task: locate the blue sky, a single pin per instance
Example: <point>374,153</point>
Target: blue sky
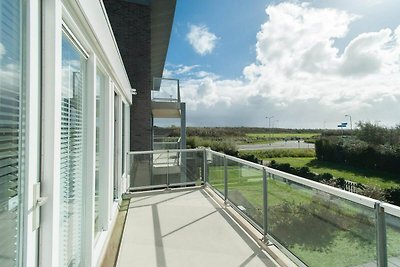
<point>306,63</point>
<point>234,49</point>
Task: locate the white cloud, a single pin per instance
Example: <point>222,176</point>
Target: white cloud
<point>300,75</point>
<point>201,39</point>
<point>2,50</point>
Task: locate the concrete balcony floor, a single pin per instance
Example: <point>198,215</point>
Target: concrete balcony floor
<point>185,228</point>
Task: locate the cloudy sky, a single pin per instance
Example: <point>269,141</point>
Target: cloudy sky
<point>308,64</point>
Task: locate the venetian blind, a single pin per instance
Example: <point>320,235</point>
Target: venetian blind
<point>10,130</point>
<point>72,147</point>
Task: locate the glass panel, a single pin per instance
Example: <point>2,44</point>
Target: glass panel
<point>216,172</point>
<point>245,189</point>
<point>393,239</point>
<point>148,169</point>
<point>319,227</point>
<point>100,88</point>
<point>165,90</point>
<point>186,167</point>
<point>11,132</point>
<point>72,147</point>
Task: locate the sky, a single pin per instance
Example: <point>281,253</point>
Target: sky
<point>307,64</point>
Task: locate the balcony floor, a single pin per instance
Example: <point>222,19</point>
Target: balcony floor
<point>185,228</point>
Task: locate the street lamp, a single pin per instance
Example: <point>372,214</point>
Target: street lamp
<point>351,123</point>
<point>269,125</point>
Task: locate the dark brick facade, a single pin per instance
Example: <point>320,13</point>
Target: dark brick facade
<point>131,24</point>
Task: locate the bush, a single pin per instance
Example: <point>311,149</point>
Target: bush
<point>374,192</point>
<point>393,195</point>
<point>358,153</point>
<point>249,157</point>
<point>226,146</point>
<point>280,153</point>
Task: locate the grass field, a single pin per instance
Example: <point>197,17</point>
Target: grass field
<point>343,233</point>
<point>368,177</point>
<point>282,135</point>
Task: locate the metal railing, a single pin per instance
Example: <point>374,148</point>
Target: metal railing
<point>165,144</point>
<point>312,223</point>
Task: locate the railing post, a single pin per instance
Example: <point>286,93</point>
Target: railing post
<point>205,176</point>
<point>167,169</point>
<point>225,179</point>
<point>265,204</point>
<point>381,250</point>
<point>127,175</point>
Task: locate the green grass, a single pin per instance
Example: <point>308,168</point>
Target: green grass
<point>282,135</point>
<point>333,245</point>
<point>365,176</point>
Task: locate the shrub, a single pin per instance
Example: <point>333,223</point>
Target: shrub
<point>280,153</point>
<point>226,146</point>
<point>393,195</point>
<point>249,157</point>
<point>358,153</point>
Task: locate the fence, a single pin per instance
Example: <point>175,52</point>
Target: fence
<point>311,222</point>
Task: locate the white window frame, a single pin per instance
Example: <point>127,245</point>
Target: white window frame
<point>56,14</point>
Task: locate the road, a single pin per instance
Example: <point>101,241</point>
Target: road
<point>276,145</point>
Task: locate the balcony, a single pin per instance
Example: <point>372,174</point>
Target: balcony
<point>207,194</point>
<point>165,98</point>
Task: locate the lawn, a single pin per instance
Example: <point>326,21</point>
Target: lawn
<point>315,227</point>
<point>282,135</point>
<point>365,176</point>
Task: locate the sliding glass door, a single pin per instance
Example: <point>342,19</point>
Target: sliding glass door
<point>12,124</point>
<point>72,152</point>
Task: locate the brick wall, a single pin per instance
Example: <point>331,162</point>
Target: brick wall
<point>131,26</point>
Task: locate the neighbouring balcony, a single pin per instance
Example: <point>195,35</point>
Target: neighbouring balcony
<point>166,143</point>
<point>166,98</point>
<point>311,223</point>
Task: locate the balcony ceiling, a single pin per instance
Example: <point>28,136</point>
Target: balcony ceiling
<point>166,109</point>
<point>162,17</point>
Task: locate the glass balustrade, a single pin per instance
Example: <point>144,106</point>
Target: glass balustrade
<point>311,222</point>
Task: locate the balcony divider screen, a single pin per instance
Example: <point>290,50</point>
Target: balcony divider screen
<point>11,132</point>
<point>72,150</point>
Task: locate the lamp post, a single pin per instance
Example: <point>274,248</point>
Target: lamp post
<point>269,125</point>
<point>351,123</point>
<point>275,124</point>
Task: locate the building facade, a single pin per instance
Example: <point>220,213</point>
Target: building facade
<point>66,87</point>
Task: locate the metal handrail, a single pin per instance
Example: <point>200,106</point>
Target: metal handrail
<point>380,208</point>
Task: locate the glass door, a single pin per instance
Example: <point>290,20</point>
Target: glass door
<point>117,149</point>
<point>12,121</point>
<point>72,152</point>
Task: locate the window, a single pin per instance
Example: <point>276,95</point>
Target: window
<point>11,132</point>
<point>117,148</point>
<point>72,152</point>
<point>123,138</point>
<point>100,88</point>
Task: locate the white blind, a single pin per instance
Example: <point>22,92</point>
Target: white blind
<point>10,131</point>
<point>72,136</point>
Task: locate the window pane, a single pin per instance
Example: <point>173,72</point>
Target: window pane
<point>11,132</point>
<point>72,147</point>
<point>123,138</point>
<point>100,84</point>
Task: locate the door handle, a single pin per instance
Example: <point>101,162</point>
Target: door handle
<point>38,201</point>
